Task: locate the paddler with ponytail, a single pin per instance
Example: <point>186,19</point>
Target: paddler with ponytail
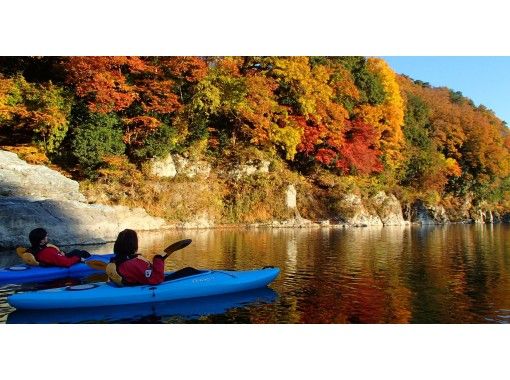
<point>127,267</point>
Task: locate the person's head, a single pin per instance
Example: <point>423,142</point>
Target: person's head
<point>126,244</point>
<point>38,237</point>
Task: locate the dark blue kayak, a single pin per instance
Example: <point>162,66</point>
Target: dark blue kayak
<point>192,308</point>
<point>18,274</point>
<point>201,283</point>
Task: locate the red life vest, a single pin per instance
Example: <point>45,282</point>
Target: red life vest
<point>52,256</point>
<point>140,271</point>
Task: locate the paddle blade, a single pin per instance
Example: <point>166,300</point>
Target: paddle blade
<point>176,246</point>
<point>96,264</point>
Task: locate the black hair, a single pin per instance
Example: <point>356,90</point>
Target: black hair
<point>126,245</point>
<point>35,236</point>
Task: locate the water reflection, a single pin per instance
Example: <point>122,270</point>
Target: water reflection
<point>429,274</point>
<point>195,309</point>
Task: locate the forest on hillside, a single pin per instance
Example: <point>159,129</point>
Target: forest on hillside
<point>343,117</point>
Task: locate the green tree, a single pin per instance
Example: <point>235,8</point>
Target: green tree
<point>100,136</point>
<point>157,144</point>
<point>368,83</point>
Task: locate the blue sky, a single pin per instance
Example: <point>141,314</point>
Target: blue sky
<point>486,80</point>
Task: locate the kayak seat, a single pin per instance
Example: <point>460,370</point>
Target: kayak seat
<point>184,272</point>
<point>26,256</point>
<point>113,275</point>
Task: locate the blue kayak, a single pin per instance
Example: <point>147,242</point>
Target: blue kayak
<point>201,283</point>
<point>189,309</point>
<point>18,274</point>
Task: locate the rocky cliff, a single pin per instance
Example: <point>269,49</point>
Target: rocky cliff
<point>35,196</point>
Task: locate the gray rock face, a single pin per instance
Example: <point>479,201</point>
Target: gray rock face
<point>296,222</point>
<point>290,197</point>
<point>36,196</point>
<point>420,213</point>
<point>486,216</point>
<point>20,179</point>
<point>477,216</point>
<point>173,165</point>
<point>190,168</point>
<point>250,168</point>
<point>200,221</point>
<point>164,167</point>
<point>462,214</point>
<point>355,213</point>
<point>68,222</point>
<point>388,208</point>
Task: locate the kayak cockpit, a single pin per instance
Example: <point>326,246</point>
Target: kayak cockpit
<point>184,272</point>
<point>179,274</point>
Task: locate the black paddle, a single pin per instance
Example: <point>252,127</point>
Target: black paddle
<point>176,246</point>
<point>101,265</point>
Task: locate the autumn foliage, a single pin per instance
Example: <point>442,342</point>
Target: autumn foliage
<point>467,150</point>
<point>344,115</point>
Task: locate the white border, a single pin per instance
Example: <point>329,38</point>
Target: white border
<point>264,27</point>
<point>255,352</point>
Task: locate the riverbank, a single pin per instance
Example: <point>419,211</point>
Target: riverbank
<point>198,195</point>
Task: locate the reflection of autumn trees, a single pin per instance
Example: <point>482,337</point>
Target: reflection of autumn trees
<point>442,274</point>
<point>348,282</point>
<point>457,277</point>
<point>376,293</point>
<point>453,274</point>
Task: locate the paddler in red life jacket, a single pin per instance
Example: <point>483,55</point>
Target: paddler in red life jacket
<point>127,267</point>
<point>50,255</point>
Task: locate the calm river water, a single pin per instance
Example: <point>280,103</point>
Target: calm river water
<point>438,274</point>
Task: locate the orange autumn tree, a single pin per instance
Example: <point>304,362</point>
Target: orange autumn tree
<point>37,112</point>
<point>467,137</point>
<point>387,117</point>
<point>144,91</point>
<point>102,81</point>
<point>424,166</point>
<point>238,102</point>
<point>314,94</point>
<point>485,157</point>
